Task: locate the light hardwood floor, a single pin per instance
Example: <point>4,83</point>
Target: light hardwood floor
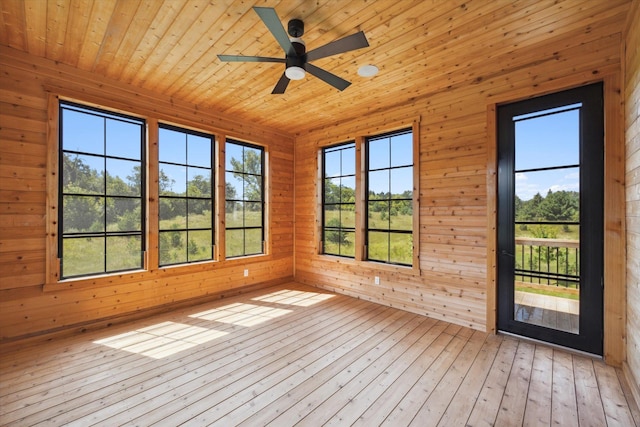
<point>298,355</point>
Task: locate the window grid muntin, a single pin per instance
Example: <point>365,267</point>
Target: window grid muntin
<point>104,115</point>
<point>339,204</point>
<point>244,201</point>
<point>389,231</point>
<point>187,198</point>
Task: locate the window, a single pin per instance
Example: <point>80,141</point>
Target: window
<point>185,196</point>
<point>101,191</point>
<point>244,199</point>
<point>389,194</point>
<point>339,200</point>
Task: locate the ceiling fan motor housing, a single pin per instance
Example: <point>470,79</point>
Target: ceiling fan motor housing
<point>295,28</point>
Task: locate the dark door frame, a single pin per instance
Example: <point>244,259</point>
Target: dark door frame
<point>590,338</point>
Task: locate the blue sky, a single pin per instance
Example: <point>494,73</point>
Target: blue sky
<point>547,141</point>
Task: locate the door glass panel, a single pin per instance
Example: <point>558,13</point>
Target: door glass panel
<point>547,219</point>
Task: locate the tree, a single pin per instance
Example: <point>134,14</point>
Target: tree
<point>249,170</point>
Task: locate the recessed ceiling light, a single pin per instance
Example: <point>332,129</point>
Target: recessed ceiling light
<point>368,70</point>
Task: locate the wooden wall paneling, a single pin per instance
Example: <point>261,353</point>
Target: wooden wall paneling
<point>631,63</point>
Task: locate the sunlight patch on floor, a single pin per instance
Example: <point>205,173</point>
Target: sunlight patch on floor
<point>241,314</point>
<point>161,340</point>
<point>297,298</point>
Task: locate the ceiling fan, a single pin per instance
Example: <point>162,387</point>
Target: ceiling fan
<point>297,59</point>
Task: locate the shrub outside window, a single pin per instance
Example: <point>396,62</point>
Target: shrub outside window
<point>244,199</point>
<point>101,191</point>
<point>185,196</point>
<point>389,194</point>
<point>339,200</point>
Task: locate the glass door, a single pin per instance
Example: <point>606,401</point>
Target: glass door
<point>550,213</point>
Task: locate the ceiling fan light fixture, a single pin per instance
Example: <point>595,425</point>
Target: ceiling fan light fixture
<point>295,73</point>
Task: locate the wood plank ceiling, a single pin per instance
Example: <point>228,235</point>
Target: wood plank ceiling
<point>421,47</point>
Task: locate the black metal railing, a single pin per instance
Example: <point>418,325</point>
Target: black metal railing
<point>554,262</point>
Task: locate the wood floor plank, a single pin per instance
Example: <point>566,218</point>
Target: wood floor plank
<point>590,410</point>
<point>514,399</point>
<point>295,355</point>
<point>538,408</point>
<point>564,404</point>
<point>615,405</point>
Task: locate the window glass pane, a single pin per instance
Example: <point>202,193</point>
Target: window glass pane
<point>172,213</point>
<point>401,248</point>
<point>348,189</point>
<point>332,164</point>
<point>556,133</point>
<point>253,214</point>
<point>176,176</point>
<point>124,253</point>
<point>82,174</point>
<point>332,216</point>
<point>378,151</point>
<point>199,213</point>
<point>82,256</point>
<point>234,214</point>
<point>82,214</point>
<point>252,161</point>
<point>199,151</point>
<point>402,183</point>
<point>234,240</point>
<point>331,242</point>
<point>378,215</point>
<point>347,216</point>
<point>253,241</point>
<point>252,188</point>
<point>123,178</point>
<point>123,214</point>
<point>234,189</point>
<point>332,190</point>
<point>199,247</point>
<point>402,150</point>
<point>173,247</point>
<point>233,157</point>
<point>379,184</point>
<point>199,184</point>
<point>347,243</point>
<point>348,161</point>
<point>559,187</point>
<point>123,139</point>
<point>378,246</point>
<point>401,215</point>
<point>82,132</point>
<point>173,146</point>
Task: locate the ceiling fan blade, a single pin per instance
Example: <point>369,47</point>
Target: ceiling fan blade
<point>271,20</point>
<point>239,58</point>
<point>345,44</point>
<point>281,86</point>
<point>332,79</point>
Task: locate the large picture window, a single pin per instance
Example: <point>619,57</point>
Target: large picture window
<point>339,200</point>
<point>185,196</point>
<point>101,191</point>
<point>389,194</point>
<point>244,199</point>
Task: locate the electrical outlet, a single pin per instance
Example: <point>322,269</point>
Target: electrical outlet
<point>246,272</point>
<point>376,280</point>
